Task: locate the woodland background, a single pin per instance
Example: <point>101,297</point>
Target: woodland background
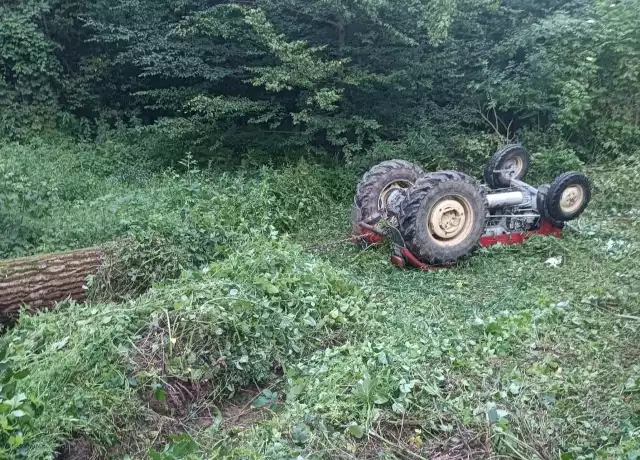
<point>262,80</point>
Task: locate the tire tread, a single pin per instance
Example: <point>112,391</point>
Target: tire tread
<point>557,188</point>
<point>365,192</point>
<point>408,217</point>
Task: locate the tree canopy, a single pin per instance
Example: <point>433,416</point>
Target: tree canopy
<point>333,76</point>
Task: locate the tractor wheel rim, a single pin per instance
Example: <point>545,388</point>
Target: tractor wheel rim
<point>389,189</point>
<point>450,220</point>
<point>514,165</point>
<point>571,199</point>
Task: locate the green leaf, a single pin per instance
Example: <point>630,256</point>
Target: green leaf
<point>183,445</point>
<point>16,440</point>
<point>380,399</point>
<point>294,392</point>
<point>217,419</point>
<point>17,399</point>
<point>18,413</point>
<point>4,423</point>
<point>160,393</point>
<point>300,433</point>
<point>20,375</point>
<point>5,407</point>
<point>397,408</point>
<point>266,398</point>
<point>357,431</point>
<point>243,360</point>
<point>266,286</point>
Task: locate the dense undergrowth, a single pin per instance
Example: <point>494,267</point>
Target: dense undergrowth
<point>154,224</point>
<point>521,352</point>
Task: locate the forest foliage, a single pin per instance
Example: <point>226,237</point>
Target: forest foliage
<point>238,79</point>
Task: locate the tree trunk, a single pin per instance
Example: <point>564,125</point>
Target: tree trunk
<point>41,281</point>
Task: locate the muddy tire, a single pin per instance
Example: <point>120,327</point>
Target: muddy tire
<point>379,181</point>
<point>541,204</point>
<point>568,196</point>
<point>442,221</point>
<point>512,157</point>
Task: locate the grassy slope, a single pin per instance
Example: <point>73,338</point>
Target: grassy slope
<point>502,356</point>
<point>556,348</point>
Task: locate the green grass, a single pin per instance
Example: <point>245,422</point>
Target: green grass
<point>505,356</point>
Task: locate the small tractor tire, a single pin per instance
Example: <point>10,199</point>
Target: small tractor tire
<point>512,156</point>
<point>442,221</point>
<point>541,204</point>
<point>568,196</point>
<point>375,185</point>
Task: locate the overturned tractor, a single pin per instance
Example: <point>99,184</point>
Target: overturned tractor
<point>435,219</point>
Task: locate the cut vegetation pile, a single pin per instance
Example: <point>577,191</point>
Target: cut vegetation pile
<point>248,346</point>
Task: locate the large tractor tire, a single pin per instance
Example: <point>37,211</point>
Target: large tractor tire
<point>442,220</point>
<point>568,196</point>
<point>378,184</point>
<point>510,162</point>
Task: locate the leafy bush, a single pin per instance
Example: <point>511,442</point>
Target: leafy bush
<point>29,71</point>
<point>70,196</point>
<point>547,164</point>
<point>186,222</point>
<point>17,412</point>
<point>616,187</point>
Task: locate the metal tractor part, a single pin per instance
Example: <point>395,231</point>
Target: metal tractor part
<point>437,218</point>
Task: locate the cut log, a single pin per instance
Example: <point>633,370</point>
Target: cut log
<point>41,281</point>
